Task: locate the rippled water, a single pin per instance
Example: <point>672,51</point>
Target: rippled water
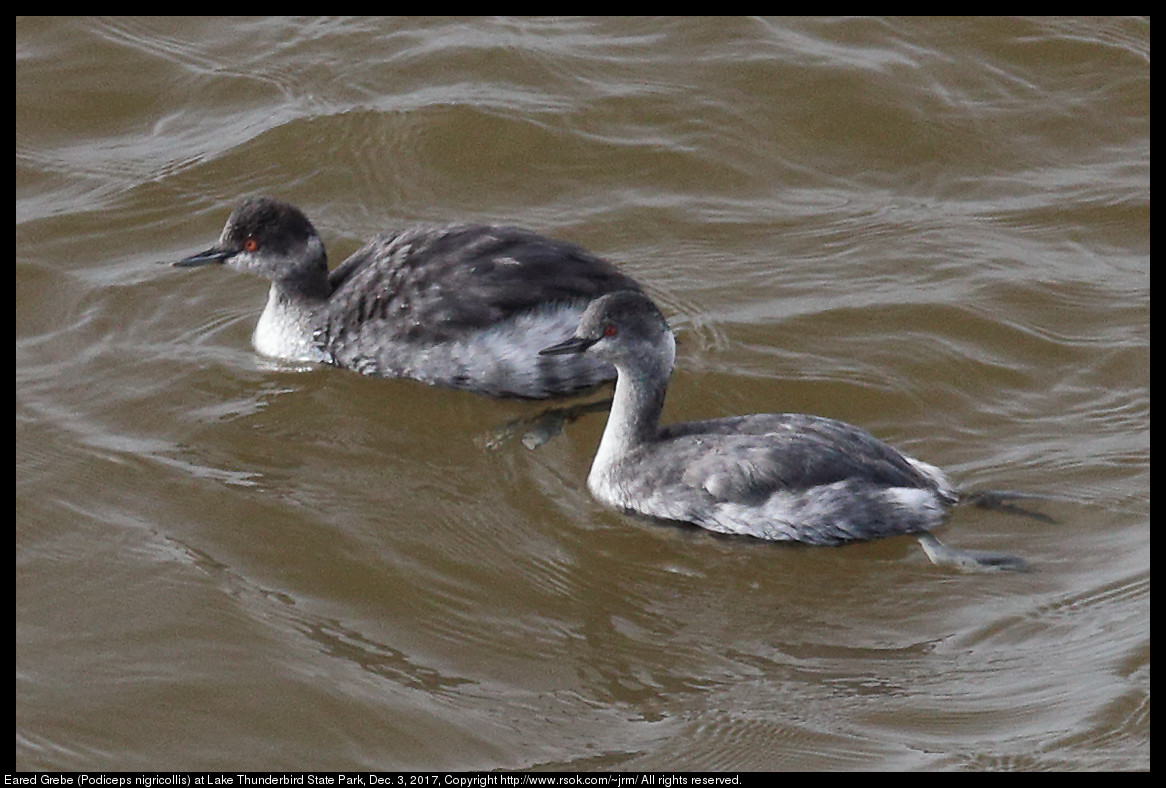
<point>936,229</point>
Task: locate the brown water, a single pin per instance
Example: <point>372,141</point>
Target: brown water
<point>936,229</point>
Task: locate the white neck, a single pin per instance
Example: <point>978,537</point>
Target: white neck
<point>635,412</point>
<point>285,330</point>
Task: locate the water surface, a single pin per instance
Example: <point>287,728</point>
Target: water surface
<point>935,229</point>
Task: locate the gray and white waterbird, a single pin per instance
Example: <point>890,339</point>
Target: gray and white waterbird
<point>466,306</point>
<point>783,477</point>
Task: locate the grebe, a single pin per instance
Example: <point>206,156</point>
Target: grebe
<point>466,306</point>
<point>782,477</point>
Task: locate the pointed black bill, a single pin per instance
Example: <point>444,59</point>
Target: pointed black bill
<point>212,255</point>
<point>572,345</point>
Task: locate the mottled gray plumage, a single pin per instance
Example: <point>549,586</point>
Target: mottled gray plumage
<point>465,305</point>
<point>787,477</point>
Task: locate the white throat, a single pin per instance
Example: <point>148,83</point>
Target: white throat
<point>285,331</point>
<point>635,412</point>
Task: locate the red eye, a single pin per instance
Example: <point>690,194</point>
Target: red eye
<point>250,245</point>
<point>609,330</point>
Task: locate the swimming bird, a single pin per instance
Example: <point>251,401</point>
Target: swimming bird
<point>782,476</point>
<point>466,306</point>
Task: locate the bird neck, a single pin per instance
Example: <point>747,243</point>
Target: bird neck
<point>305,287</point>
<point>305,282</point>
<point>635,413</point>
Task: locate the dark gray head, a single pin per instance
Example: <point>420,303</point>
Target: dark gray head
<point>624,328</point>
<point>270,238</point>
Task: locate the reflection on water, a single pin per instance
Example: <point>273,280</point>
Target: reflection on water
<point>935,229</point>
